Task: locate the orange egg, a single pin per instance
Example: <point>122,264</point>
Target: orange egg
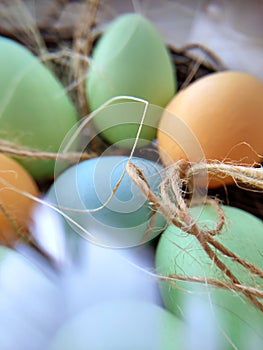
<point>224,111</point>
<point>15,208</point>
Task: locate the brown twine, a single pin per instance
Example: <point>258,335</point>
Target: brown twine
<point>206,58</point>
<point>83,41</point>
<point>21,25</point>
<point>12,149</point>
<point>214,282</point>
<point>213,60</point>
<point>247,175</point>
<point>172,205</point>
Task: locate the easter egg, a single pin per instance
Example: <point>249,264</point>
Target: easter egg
<point>119,123</point>
<point>30,303</point>
<point>16,208</point>
<point>130,59</point>
<point>123,324</point>
<point>103,213</point>
<point>35,110</point>
<point>238,320</point>
<point>224,110</point>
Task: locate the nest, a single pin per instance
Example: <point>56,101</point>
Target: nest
<point>189,67</point>
<point>49,30</point>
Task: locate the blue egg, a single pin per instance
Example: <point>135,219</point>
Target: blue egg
<point>84,194</point>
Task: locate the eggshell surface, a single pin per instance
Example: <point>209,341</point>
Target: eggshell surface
<point>119,123</point>
<point>35,111</point>
<point>84,193</point>
<point>231,314</point>
<point>224,110</point>
<point>16,208</point>
<point>130,59</point>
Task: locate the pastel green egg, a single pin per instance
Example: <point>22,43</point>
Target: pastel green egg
<point>35,110</point>
<point>238,322</point>
<point>131,59</point>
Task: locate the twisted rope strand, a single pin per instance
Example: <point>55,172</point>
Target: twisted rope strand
<point>177,213</point>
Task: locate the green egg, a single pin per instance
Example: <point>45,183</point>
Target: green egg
<point>35,110</point>
<point>131,59</point>
<point>239,323</point>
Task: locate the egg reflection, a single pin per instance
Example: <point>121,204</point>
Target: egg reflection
<point>105,274</point>
<point>125,324</point>
<point>101,284</point>
<point>93,274</point>
<point>35,306</point>
<point>112,275</point>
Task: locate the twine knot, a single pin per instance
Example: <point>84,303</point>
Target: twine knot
<point>173,206</point>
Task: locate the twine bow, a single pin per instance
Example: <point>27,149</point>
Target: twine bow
<point>173,206</point>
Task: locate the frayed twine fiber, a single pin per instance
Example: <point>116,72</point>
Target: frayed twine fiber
<point>250,176</point>
<point>14,150</point>
<point>16,15</point>
<point>83,42</point>
<point>173,206</point>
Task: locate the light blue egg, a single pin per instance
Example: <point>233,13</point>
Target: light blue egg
<point>123,220</point>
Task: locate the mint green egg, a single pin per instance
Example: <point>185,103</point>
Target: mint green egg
<point>35,110</point>
<point>238,322</point>
<point>131,59</point>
